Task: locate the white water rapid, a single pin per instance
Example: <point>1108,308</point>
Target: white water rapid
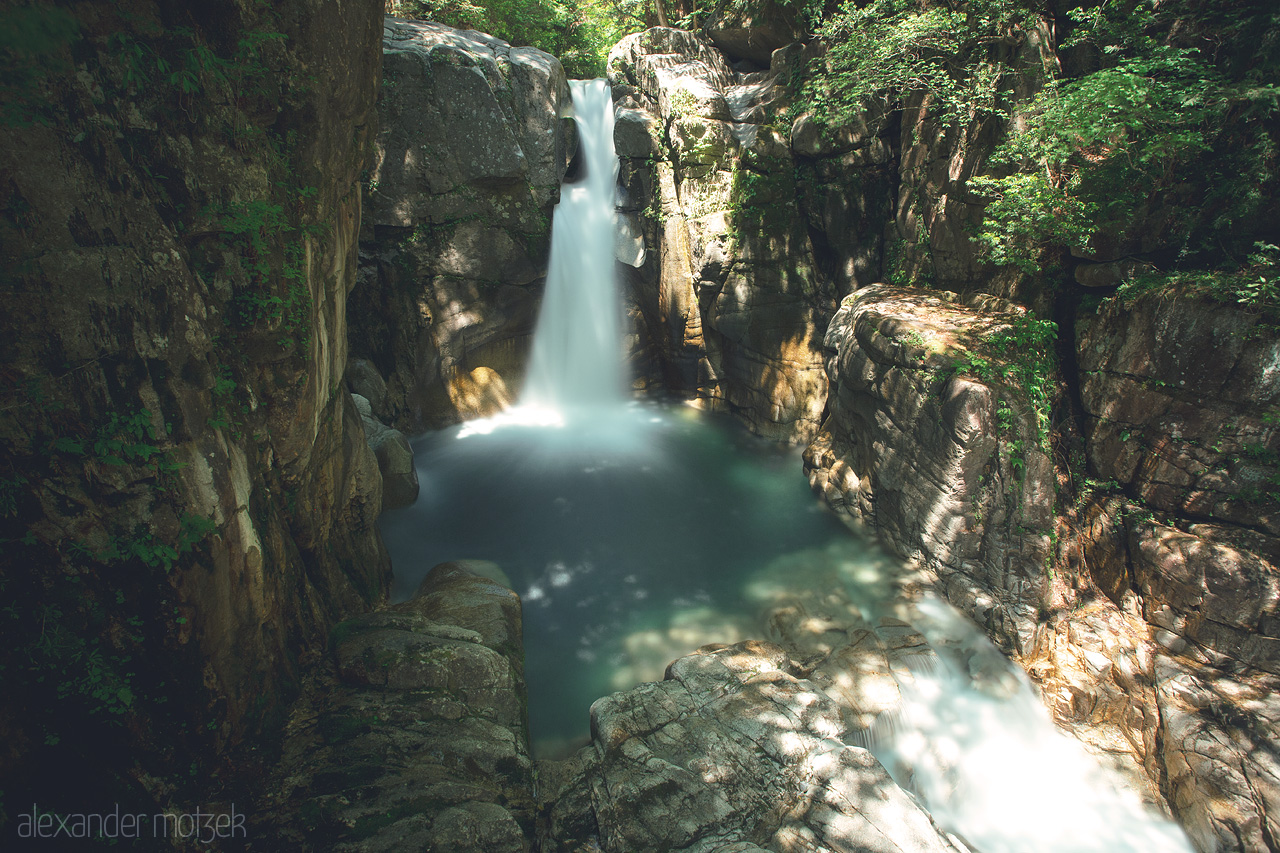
<point>974,742</point>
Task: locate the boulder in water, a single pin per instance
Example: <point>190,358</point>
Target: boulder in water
<point>394,455</point>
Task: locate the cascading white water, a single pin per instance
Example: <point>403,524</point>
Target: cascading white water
<point>976,744</point>
<point>577,348</point>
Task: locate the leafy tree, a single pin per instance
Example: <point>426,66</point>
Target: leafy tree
<point>891,49</point>
<point>1160,117</point>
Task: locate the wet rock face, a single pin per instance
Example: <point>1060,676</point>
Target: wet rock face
<point>729,306</point>
<point>175,321</point>
<point>474,139</point>
<point>417,737</point>
<point>918,451</point>
<point>732,752</point>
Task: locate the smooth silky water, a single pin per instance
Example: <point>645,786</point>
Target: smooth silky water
<point>636,532</point>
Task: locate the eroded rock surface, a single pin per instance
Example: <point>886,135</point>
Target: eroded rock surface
<point>474,139</point>
<point>1151,626</point>
<point>1181,395</point>
<point>753,31</point>
<point>915,447</point>
<point>728,306</point>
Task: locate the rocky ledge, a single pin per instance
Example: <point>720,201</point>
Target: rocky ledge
<point>734,751</point>
<point>413,737</point>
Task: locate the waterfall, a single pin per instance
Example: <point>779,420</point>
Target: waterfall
<point>577,345</point>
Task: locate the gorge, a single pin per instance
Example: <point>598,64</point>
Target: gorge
<point>195,464</point>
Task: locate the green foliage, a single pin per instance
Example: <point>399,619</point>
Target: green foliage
<point>181,63</point>
<point>753,207</point>
<point>257,229</point>
<point>1026,348</point>
<point>578,32</point>
<point>1028,213</point>
<point>125,440</point>
<point>122,440</point>
<point>1173,110</point>
<point>898,267</point>
<point>1028,344</point>
<point>145,545</point>
<point>1254,285</point>
<point>1093,151</point>
<point>891,49</point>
<point>11,488</point>
<point>80,669</point>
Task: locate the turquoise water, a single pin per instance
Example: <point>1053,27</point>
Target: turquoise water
<point>632,535</point>
<point>635,534</point>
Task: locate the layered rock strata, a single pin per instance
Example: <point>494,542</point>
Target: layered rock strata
<point>1181,528</point>
<point>188,499</point>
<point>1151,625</point>
<point>415,736</point>
<point>945,466</point>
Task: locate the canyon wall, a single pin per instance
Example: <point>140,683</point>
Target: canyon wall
<point>187,501</point>
<point>1141,594</point>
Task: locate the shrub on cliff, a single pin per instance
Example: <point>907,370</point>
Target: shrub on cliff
<point>1163,125</point>
<point>1179,112</point>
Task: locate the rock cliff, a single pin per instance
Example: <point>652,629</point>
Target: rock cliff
<point>475,138</point>
<point>187,501</point>
<point>728,305</point>
<point>943,462</point>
